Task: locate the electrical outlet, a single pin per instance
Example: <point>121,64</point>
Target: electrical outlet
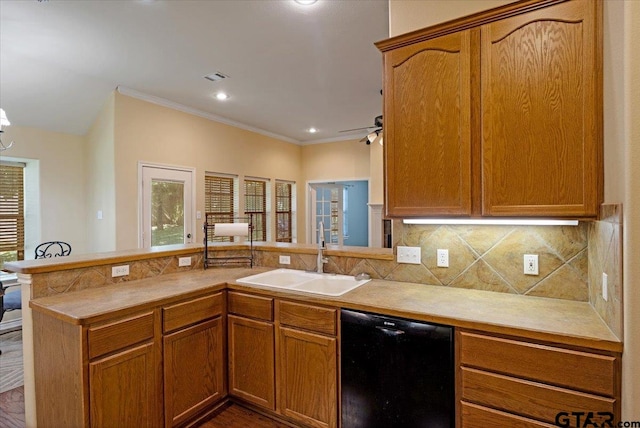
<point>184,261</point>
<point>408,255</point>
<point>531,264</point>
<point>605,286</point>
<point>442,258</point>
<point>119,271</point>
<point>285,260</point>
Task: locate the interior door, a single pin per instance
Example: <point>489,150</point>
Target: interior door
<point>167,206</point>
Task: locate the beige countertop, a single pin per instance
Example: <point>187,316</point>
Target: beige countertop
<point>553,320</point>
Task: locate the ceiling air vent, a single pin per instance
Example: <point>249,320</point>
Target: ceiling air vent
<point>214,77</point>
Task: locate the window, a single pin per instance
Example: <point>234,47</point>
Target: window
<point>11,212</point>
<point>284,198</point>
<point>219,203</point>
<point>255,203</point>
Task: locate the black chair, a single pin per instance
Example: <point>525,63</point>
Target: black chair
<point>12,300</point>
<point>52,249</point>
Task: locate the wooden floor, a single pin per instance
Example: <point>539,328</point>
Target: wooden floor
<point>12,408</point>
<point>11,369</point>
<point>236,416</point>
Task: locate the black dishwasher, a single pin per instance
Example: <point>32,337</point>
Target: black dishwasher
<point>395,372</point>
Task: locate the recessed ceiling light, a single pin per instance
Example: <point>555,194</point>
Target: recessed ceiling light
<point>305,2</point>
<point>313,130</point>
<point>222,96</point>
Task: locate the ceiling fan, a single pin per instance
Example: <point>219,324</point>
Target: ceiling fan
<point>376,131</point>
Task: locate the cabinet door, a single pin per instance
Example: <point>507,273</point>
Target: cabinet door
<point>193,370</point>
<point>427,127</point>
<point>308,378</point>
<point>124,389</point>
<point>541,118</point>
<point>251,361</point>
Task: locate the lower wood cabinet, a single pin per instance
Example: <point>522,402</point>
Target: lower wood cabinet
<point>194,357</point>
<point>193,370</point>
<point>506,382</point>
<point>251,341</point>
<point>251,361</point>
<point>164,366</point>
<point>123,389</point>
<point>291,350</point>
<point>308,377</point>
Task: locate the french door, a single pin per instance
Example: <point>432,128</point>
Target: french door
<point>327,206</point>
<point>167,206</point>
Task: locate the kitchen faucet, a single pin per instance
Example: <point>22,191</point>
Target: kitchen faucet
<point>321,260</point>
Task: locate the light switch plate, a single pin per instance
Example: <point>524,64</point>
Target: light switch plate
<point>184,261</point>
<point>605,286</point>
<point>408,255</point>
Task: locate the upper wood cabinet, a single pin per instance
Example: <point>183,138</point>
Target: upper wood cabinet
<point>497,114</point>
<point>427,135</point>
<point>542,147</point>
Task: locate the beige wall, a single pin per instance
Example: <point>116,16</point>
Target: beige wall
<point>151,133</point>
<point>100,179</point>
<point>630,169</point>
<point>56,161</point>
<point>342,160</point>
<point>622,143</point>
<point>410,15</point>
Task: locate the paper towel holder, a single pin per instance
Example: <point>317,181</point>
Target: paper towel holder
<point>210,261</point>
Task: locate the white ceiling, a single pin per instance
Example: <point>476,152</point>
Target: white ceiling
<point>290,67</point>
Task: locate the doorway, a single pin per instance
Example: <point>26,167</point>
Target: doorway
<point>342,208</point>
<point>167,206</point>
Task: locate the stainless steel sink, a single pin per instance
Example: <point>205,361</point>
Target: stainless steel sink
<point>296,280</point>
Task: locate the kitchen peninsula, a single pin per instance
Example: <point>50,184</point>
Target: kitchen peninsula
<point>565,355</point>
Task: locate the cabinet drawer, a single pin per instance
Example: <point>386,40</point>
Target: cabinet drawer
<point>191,312</point>
<point>528,398</point>
<point>314,318</point>
<point>563,367</point>
<point>120,334</point>
<point>250,306</point>
<point>474,416</point>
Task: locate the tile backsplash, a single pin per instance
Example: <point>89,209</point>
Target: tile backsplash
<point>491,258</point>
<point>605,256</point>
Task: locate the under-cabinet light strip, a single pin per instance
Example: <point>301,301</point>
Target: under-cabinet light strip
<point>480,222</point>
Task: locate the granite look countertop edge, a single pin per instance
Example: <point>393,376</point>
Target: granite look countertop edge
<point>563,322</point>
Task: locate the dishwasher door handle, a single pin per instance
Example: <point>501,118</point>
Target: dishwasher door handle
<point>390,331</point>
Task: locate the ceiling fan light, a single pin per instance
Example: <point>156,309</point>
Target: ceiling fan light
<point>305,2</point>
<point>372,136</point>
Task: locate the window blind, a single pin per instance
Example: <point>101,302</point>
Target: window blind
<point>218,204</point>
<point>255,202</point>
<point>11,212</point>
<point>283,212</point>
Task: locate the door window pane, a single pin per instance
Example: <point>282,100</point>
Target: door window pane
<point>167,213</point>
